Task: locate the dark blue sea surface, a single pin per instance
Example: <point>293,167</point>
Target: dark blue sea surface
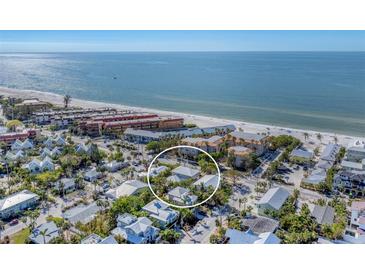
<point>310,90</point>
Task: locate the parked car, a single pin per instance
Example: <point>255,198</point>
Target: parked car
<point>14,222</point>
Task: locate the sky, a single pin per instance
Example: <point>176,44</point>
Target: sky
<point>90,41</point>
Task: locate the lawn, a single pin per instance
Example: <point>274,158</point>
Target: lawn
<point>20,237</point>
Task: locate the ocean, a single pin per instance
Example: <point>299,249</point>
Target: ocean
<point>322,91</point>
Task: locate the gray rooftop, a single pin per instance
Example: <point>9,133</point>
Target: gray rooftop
<point>323,214</point>
<point>302,153</point>
<point>275,197</point>
<point>81,213</point>
<point>185,171</point>
<point>49,228</point>
<point>247,136</point>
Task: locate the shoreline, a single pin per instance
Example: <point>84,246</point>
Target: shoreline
<point>199,120</point>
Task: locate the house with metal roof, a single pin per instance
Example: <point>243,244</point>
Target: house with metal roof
<point>209,180</point>
<point>50,231</point>
<point>330,152</point>
<point>128,188</point>
<point>185,173</point>
<point>322,214</point>
<point>161,212</point>
<point>235,236</point>
<point>81,213</point>
<point>301,155</point>
<point>273,199</point>
<point>92,175</point>
<point>181,196</point>
<point>17,203</point>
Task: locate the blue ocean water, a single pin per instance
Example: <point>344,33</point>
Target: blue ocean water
<point>310,90</point>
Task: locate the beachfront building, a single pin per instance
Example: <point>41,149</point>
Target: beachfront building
<point>273,199</point>
<point>181,196</point>
<point>355,232</point>
<point>146,136</point>
<point>24,109</point>
<point>44,233</point>
<point>135,230</point>
<point>17,203</point>
<point>356,151</point>
<point>258,143</point>
<point>128,188</point>
<point>161,212</point>
<point>212,144</point>
<point>240,154</point>
<point>350,182</point>
<point>81,213</point>
<point>235,236</point>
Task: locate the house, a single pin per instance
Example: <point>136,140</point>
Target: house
<point>185,173</point>
<point>235,236</point>
<point>356,151</point>
<point>66,185</point>
<point>46,152</point>
<point>161,212</point>
<point>50,231</point>
<point>301,156</point>
<point>316,177</point>
<point>135,230</point>
<point>324,215</point>
<point>353,166</point>
<point>92,175</point>
<point>141,136</point>
<point>81,213</point>
<point>260,224</point>
<point>10,156</point>
<point>258,143</point>
<point>19,145</point>
<point>36,165</point>
<point>273,199</point>
<point>207,181</point>
<point>85,149</point>
<point>114,166</point>
<point>330,152</point>
<point>96,239</point>
<point>240,154</point>
<point>17,203</point>
<point>182,196</point>
<point>128,188</point>
<point>155,171</point>
<point>350,183</point>
<point>355,233</point>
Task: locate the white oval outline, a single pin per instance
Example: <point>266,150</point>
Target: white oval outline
<point>187,206</point>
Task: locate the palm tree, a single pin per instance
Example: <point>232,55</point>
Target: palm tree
<point>319,136</point>
<point>306,135</point>
<point>66,100</point>
<point>44,234</point>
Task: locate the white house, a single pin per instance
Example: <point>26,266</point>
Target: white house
<point>240,237</point>
<point>50,153</point>
<point>185,173</point>
<point>19,145</point>
<point>355,233</point>
<point>273,199</point>
<point>161,212</point>
<point>14,156</point>
<point>135,230</point>
<point>207,181</point>
<point>114,166</point>
<point>92,175</point>
<point>96,239</point>
<point>128,188</point>
<point>155,171</point>
<point>54,141</point>
<point>36,165</point>
<point>17,202</point>
<point>182,196</point>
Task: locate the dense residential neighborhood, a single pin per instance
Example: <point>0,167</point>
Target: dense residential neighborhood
<point>73,175</point>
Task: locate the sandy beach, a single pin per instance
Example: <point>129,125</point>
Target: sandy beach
<point>201,121</point>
